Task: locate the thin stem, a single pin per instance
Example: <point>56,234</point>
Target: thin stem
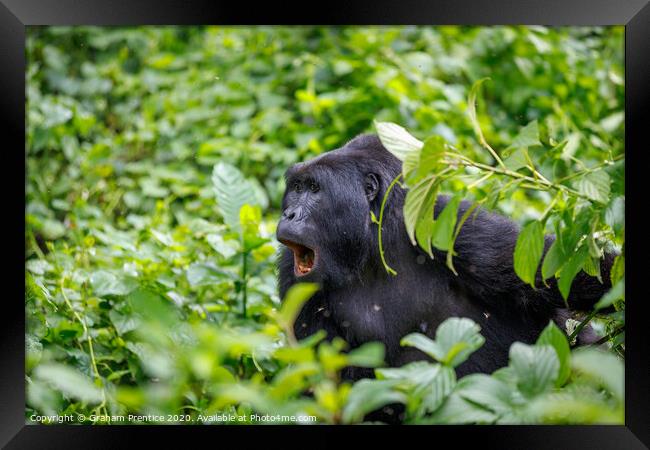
<point>381,222</point>
<point>37,249</point>
<point>463,160</point>
<point>591,169</point>
<point>492,152</point>
<point>89,339</point>
<point>244,274</point>
<point>480,180</point>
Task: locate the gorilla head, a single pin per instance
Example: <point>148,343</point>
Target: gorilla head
<point>326,223</point>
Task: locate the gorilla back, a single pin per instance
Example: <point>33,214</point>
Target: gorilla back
<point>329,238</point>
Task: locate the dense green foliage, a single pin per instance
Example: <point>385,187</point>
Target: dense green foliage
<point>154,175</point>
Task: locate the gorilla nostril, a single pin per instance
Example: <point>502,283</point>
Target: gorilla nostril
<point>289,215</point>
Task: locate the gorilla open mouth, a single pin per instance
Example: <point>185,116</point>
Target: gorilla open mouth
<point>304,258</point>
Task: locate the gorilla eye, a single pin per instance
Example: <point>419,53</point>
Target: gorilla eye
<point>297,187</point>
<point>313,186</point>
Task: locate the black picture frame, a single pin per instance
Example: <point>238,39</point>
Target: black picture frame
<point>15,15</point>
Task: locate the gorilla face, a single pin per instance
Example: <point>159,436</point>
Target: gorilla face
<point>325,222</point>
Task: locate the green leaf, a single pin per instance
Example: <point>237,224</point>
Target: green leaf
<point>232,191</point>
<point>397,140</point>
<point>553,336</point>
<point>427,384</point>
<point>69,381</point>
<point>419,201</point>
<point>617,292</point>
<point>109,283</point>
<point>424,344</point>
<point>571,269</point>
<point>123,323</point>
<point>618,269</point>
<point>52,229</point>
<point>528,251</point>
<point>369,395</point>
<point>226,248</point>
<point>471,110</point>
<point>444,226</point>
<point>490,393</point>
<point>595,186</point>
<point>434,394</point>
<point>459,338</point>
<point>615,214</point>
<point>293,301</point>
<point>553,260</point>
<point>370,354</point>
<point>456,410</point>
<point>428,160</point>
<point>601,366</point>
<point>456,339</point>
<point>517,159</point>
<point>204,274</point>
<point>536,367</point>
<point>528,136</point>
<point>423,233</point>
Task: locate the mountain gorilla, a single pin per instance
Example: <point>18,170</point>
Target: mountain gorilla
<point>330,239</point>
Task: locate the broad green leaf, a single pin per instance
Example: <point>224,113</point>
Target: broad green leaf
<point>456,410</point>
<point>109,283</point>
<point>617,292</point>
<point>592,267</point>
<point>490,393</point>
<point>554,337</point>
<point>413,374</point>
<point>397,140</point>
<point>602,366</point>
<point>553,260</point>
<point>204,274</point>
<point>434,394</point>
<point>153,307</point>
<point>528,136</point>
<point>615,214</point>
<point>444,225</point>
<point>226,248</point>
<point>528,251</point>
<point>163,238</point>
<point>424,344</point>
<point>459,338</point>
<point>232,191</point>
<point>369,395</point>
<point>571,269</point>
<point>370,354</point>
<point>456,339</point>
<point>123,323</point>
<point>52,229</point>
<point>428,161</point>
<point>293,301</point>
<point>536,367</point>
<point>595,186</point>
<point>69,381</point>
<point>424,231</point>
<point>618,269</point>
<point>419,201</point>
<point>517,159</point>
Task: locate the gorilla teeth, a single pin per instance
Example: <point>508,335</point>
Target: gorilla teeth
<point>304,260</point>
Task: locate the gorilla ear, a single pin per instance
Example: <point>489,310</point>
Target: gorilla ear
<point>371,186</point>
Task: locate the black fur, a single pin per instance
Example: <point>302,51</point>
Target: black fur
<point>360,302</point>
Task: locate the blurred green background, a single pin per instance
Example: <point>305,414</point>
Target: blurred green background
<point>146,289</point>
